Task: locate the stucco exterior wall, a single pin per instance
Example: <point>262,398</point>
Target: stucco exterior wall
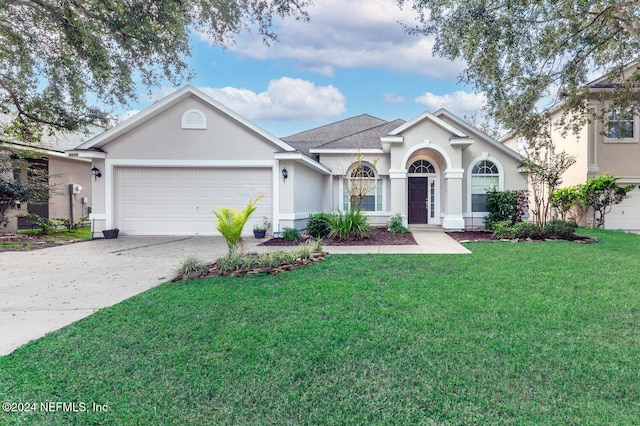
<point>162,138</point>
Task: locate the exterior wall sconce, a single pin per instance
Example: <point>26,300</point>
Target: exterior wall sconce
<point>96,172</point>
<point>285,173</point>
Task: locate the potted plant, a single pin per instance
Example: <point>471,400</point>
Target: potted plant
<point>110,233</point>
<point>260,230</point>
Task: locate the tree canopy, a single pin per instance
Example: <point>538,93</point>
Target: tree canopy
<point>529,55</point>
<point>64,63</point>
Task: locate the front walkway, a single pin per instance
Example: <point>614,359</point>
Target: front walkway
<point>431,240</point>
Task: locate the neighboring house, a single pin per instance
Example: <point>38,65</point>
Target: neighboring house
<point>609,146</point>
<point>165,169</point>
<point>70,179</point>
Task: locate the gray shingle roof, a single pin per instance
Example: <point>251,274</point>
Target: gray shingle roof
<point>362,131</point>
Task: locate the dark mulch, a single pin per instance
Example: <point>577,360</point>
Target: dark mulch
<point>485,235</point>
<point>378,237</point>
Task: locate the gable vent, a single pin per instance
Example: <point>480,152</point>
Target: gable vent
<point>194,119</point>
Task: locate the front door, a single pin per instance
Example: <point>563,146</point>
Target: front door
<point>418,200</point>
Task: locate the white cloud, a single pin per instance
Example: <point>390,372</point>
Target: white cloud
<point>460,103</point>
<point>284,99</point>
<point>393,99</point>
<point>353,34</point>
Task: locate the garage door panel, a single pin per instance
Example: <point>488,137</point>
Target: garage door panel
<point>175,201</point>
<point>625,215</point>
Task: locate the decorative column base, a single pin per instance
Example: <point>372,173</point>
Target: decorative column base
<point>453,222</point>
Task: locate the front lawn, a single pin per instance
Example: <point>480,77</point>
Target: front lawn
<point>29,240</point>
<point>515,333</point>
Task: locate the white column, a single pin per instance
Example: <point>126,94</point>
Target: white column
<point>453,218</point>
<point>399,193</point>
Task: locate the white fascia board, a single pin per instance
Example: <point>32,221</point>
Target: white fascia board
<point>81,153</point>
<point>392,139</point>
<point>190,163</point>
<point>303,159</point>
<point>347,151</point>
<point>428,116</point>
<point>171,100</point>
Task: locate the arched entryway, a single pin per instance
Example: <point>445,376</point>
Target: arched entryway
<point>423,191</point>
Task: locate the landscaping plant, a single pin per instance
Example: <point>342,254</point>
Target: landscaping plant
<point>395,224</point>
<point>349,224</point>
<point>230,223</point>
<point>317,225</point>
<point>291,234</point>
<point>507,206</point>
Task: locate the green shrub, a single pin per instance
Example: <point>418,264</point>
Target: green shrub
<point>395,224</point>
<point>560,229</point>
<point>505,206</point>
<point>190,264</point>
<point>527,230</point>
<point>291,234</point>
<point>44,225</point>
<point>349,224</point>
<point>503,230</point>
<point>317,225</point>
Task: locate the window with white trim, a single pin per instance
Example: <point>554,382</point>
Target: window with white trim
<point>485,177</point>
<point>621,126</point>
<point>362,186</point>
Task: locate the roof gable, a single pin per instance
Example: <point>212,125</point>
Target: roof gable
<point>430,117</point>
<point>168,102</point>
<point>474,131</point>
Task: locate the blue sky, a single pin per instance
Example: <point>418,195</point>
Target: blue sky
<point>352,57</point>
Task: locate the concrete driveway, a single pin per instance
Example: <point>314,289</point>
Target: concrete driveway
<point>44,290</point>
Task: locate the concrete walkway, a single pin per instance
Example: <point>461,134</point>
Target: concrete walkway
<point>44,290</point>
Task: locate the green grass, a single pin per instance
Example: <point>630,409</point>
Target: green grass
<point>526,334</point>
<point>57,235</point>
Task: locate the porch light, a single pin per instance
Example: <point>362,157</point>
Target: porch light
<point>285,174</point>
<point>96,172</point>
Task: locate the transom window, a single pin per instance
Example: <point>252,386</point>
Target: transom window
<point>363,187</point>
<point>422,166</point>
<point>485,177</point>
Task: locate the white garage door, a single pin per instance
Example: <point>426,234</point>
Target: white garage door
<point>625,215</point>
<point>180,201</point>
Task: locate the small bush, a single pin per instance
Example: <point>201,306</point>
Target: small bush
<point>291,234</point>
<point>191,264</point>
<point>317,225</point>
<point>44,225</point>
<point>503,231</point>
<point>560,229</point>
<point>349,224</point>
<point>395,224</point>
<point>234,261</point>
<point>527,230</point>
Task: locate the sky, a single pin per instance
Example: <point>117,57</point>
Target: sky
<point>352,57</point>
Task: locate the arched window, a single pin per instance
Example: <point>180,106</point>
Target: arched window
<point>194,119</point>
<point>422,166</point>
<point>362,188</point>
<point>485,177</point>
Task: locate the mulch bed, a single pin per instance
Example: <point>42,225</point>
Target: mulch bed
<point>485,235</point>
<point>378,237</point>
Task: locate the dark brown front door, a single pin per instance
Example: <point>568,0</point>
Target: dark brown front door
<point>418,200</point>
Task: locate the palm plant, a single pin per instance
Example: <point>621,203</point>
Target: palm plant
<point>230,223</point>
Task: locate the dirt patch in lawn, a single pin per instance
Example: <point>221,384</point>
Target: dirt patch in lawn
<point>378,237</point>
<point>23,242</point>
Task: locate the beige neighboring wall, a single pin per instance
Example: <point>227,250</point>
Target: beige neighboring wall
<point>63,203</point>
